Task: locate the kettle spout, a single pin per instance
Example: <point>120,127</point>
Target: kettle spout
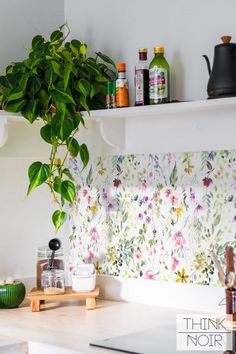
<point>208,63</point>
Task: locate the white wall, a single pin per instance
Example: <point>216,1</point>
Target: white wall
<point>21,20</point>
<point>25,224</point>
<point>186,28</point>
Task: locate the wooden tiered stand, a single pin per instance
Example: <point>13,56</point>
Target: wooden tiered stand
<point>38,297</point>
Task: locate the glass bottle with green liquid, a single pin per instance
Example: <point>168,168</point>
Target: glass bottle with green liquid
<point>159,78</point>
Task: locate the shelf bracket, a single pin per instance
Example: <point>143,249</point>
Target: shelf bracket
<point>3,130</point>
<point>112,132</point>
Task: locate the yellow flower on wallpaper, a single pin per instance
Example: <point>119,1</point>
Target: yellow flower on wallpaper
<point>179,211</point>
<point>200,262</point>
<point>182,277</point>
<point>98,268</point>
<point>189,169</point>
<point>102,171</point>
<point>94,209</point>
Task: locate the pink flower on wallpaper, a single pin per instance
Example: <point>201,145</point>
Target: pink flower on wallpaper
<point>138,254</point>
<point>179,239</point>
<point>207,181</point>
<point>148,219</point>
<point>143,185</point>
<point>170,158</point>
<point>90,257</point>
<point>93,234</point>
<point>168,192</point>
<point>174,200</point>
<point>71,267</point>
<point>116,182</point>
<point>85,192</point>
<point>150,275</point>
<point>233,185</point>
<point>150,174</point>
<point>156,197</point>
<point>89,200</point>
<point>175,263</point>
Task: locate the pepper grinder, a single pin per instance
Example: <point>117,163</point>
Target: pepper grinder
<point>54,245</point>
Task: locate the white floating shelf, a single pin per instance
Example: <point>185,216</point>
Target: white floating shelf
<point>174,127</point>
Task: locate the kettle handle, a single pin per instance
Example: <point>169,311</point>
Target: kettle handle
<point>208,63</point>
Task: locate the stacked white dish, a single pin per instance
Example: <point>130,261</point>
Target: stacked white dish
<point>84,278</point>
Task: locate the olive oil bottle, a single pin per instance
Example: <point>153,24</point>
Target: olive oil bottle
<point>159,78</point>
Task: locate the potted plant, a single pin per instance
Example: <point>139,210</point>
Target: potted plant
<point>12,293</point>
<point>54,84</point>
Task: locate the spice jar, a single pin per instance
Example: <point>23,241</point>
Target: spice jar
<point>53,281</point>
<point>43,262</point>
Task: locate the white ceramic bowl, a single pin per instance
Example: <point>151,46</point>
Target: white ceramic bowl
<point>83,283</point>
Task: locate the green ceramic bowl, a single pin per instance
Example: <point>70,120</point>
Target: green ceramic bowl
<point>11,295</point>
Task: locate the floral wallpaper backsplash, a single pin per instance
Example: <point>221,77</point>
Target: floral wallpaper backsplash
<point>155,216</point>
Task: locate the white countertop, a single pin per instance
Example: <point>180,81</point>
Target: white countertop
<point>70,326</point>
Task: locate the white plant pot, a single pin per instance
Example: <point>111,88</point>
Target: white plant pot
<point>83,283</point>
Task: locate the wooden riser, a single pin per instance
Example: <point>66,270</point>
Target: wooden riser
<point>38,297</point>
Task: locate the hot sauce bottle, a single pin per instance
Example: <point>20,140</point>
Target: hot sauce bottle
<point>122,90</point>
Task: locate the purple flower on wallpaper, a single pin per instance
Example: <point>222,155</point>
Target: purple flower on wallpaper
<point>116,182</point>
<point>211,155</point>
<point>179,239</point>
<point>192,195</point>
<point>234,218</point>
<point>110,206</point>
<point>150,174</point>
<point>140,216</point>
<point>104,194</point>
<point>145,199</point>
<point>150,206</point>
<point>148,219</point>
<point>198,208</point>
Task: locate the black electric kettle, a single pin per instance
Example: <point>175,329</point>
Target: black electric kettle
<point>222,81</point>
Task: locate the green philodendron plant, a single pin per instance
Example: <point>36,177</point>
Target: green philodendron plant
<point>54,84</point>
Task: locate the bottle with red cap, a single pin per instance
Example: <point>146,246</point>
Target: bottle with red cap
<point>122,90</point>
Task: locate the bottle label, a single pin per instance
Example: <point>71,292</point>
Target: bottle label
<point>139,89</point>
<point>158,83</point>
<point>122,93</point>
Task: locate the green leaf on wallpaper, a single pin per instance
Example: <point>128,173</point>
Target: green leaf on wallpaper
<point>89,178</point>
<point>209,165</point>
<point>173,176</point>
<point>217,220</point>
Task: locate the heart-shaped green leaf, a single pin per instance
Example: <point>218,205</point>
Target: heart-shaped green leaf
<point>58,218</point>
<point>73,146</point>
<point>46,133</point>
<point>38,173</point>
<point>68,191</point>
<point>84,154</point>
